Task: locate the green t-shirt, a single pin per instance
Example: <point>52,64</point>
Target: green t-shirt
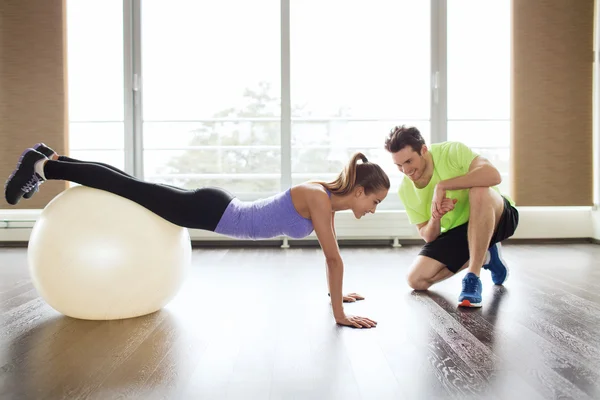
<point>450,159</point>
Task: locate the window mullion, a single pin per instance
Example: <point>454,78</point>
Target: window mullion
<point>439,71</point>
<point>286,107</point>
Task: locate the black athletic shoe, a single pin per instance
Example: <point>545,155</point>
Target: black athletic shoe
<point>24,178</point>
<point>48,152</point>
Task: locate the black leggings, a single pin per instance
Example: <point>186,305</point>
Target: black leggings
<point>196,209</point>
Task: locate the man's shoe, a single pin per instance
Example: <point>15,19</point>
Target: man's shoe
<point>48,152</point>
<point>24,178</point>
<point>496,264</point>
<point>471,291</point>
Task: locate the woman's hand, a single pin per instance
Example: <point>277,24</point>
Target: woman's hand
<point>352,297</point>
<point>356,322</point>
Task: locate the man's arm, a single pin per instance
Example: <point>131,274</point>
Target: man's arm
<point>430,230</point>
<point>481,174</point>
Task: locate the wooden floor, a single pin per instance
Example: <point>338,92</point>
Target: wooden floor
<point>256,324</point>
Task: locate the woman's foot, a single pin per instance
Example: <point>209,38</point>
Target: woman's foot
<point>51,155</point>
<point>24,178</point>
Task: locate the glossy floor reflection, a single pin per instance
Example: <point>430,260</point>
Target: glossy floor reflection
<point>256,324</point>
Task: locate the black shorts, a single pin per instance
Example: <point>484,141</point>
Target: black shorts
<point>451,248</point>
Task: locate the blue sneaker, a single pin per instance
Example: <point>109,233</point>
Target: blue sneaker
<point>471,291</point>
<point>496,264</point>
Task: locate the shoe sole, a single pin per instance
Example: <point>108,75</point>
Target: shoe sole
<point>45,150</point>
<point>467,303</point>
<point>12,175</point>
<point>19,162</point>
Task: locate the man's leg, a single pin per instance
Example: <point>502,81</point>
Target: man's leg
<point>425,272</point>
<point>485,209</point>
<point>440,259</point>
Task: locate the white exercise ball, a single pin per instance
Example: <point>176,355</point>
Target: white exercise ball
<point>98,256</point>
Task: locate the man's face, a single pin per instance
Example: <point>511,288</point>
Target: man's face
<point>410,163</point>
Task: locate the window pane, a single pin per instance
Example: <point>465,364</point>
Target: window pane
<point>242,157</point>
<point>490,139</point>
<point>352,60</point>
<point>95,60</point>
<point>355,74</point>
<point>96,135</point>
<point>212,99</point>
<point>480,133</point>
<point>169,135</point>
<point>335,133</point>
<point>321,150</point>
<point>97,141</point>
<point>202,59</point>
<point>221,160</point>
<point>95,69</point>
<point>479,33</point>
<point>479,74</point>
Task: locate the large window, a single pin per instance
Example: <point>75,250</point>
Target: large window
<point>214,82</point>
<point>95,85</point>
<point>479,79</point>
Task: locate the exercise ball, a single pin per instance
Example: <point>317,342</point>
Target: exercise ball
<point>95,255</point>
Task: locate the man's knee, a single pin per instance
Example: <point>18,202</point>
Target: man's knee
<point>478,194</point>
<point>483,198</point>
<point>417,282</point>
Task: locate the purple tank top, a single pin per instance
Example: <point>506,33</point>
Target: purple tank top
<point>264,219</point>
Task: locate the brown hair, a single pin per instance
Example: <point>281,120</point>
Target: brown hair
<point>401,136</point>
<point>366,174</point>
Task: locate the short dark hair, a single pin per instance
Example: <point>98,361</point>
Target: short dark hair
<point>402,136</point>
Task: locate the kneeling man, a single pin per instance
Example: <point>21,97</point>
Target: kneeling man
<point>450,193</point>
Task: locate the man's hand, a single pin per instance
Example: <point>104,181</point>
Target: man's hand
<point>356,322</point>
<point>447,205</point>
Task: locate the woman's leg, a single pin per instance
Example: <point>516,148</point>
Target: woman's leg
<point>73,160</point>
<point>53,155</point>
<point>198,209</point>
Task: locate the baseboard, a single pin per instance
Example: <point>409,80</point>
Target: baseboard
<point>345,243</point>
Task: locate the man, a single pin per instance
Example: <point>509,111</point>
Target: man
<point>450,193</point>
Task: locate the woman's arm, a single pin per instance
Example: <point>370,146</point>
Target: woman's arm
<point>350,297</point>
<point>321,217</point>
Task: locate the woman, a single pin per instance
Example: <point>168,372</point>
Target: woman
<point>295,213</point>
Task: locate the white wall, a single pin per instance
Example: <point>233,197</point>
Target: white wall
<point>596,224</point>
<point>535,223</point>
